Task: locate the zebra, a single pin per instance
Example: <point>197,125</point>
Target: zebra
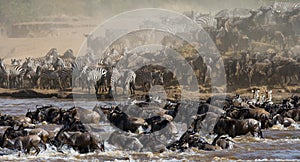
<point>12,74</point>
<point>95,75</point>
<point>30,75</point>
<point>77,68</point>
<point>124,79</point>
<point>206,21</point>
<point>16,62</point>
<point>129,82</point>
<point>115,80</point>
<point>285,6</point>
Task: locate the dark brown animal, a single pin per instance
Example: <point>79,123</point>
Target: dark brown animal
<point>124,121</point>
<point>84,142</point>
<point>293,114</point>
<point>234,127</point>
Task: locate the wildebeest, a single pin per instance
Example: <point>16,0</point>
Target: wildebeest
<point>224,143</point>
<point>191,139</point>
<point>293,114</point>
<point>205,107</point>
<point>21,119</point>
<point>259,114</point>
<point>87,116</point>
<point>123,121</point>
<point>7,120</point>
<point>40,132</point>
<point>84,142</point>
<point>13,139</point>
<point>285,121</point>
<point>27,142</point>
<point>204,123</point>
<point>51,114</point>
<point>125,141</point>
<point>234,127</point>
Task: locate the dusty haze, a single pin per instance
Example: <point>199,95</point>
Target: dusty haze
<point>67,21</point>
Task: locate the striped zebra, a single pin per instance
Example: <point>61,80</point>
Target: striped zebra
<point>206,21</point>
<point>172,28</point>
<point>79,70</point>
<point>129,82</point>
<point>95,75</point>
<point>124,79</point>
<point>12,74</point>
<point>115,80</point>
<point>285,6</point>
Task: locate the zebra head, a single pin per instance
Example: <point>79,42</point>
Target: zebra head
<point>14,62</point>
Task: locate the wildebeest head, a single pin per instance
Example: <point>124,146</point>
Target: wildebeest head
<point>157,78</point>
<point>197,123</point>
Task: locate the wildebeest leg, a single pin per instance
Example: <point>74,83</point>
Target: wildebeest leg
<point>44,145</point>
<point>260,134</point>
<point>215,140</point>
<point>59,148</point>
<point>37,149</point>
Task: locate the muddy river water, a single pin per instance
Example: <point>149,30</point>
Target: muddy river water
<point>279,144</point>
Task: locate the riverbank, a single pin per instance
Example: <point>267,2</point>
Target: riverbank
<point>278,94</point>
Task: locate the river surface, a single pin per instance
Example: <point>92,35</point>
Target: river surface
<point>279,144</point>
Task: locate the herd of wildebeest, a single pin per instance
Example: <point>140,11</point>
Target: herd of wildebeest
<point>259,49</point>
<point>222,115</point>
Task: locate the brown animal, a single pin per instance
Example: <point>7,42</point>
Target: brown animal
<point>234,127</point>
<point>42,133</point>
<point>27,142</point>
<point>87,116</point>
<point>22,119</point>
<point>253,112</point>
<point>84,142</point>
<point>51,114</point>
<point>293,114</point>
<point>124,121</point>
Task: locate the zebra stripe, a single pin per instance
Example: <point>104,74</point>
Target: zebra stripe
<point>129,85</point>
<point>76,71</point>
<point>95,76</point>
<point>13,74</point>
<point>115,80</point>
<point>285,6</point>
<point>206,21</point>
